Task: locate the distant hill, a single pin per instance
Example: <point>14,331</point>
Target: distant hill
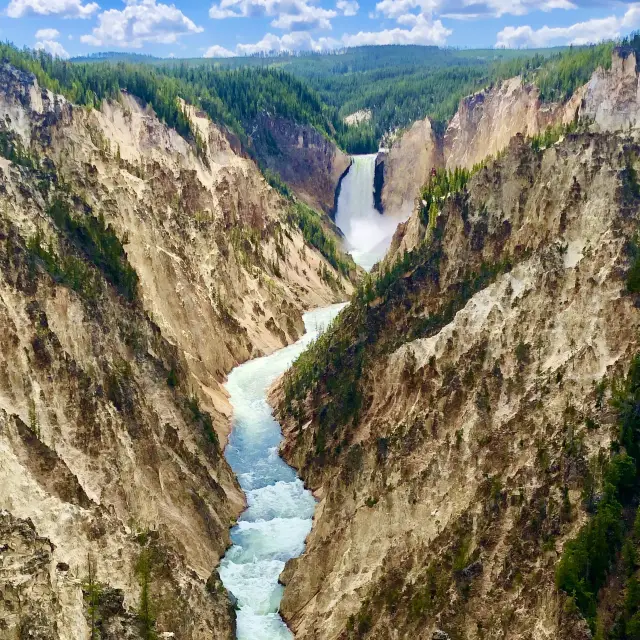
<point>397,84</point>
<point>117,56</point>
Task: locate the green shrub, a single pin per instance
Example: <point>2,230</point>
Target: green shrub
<point>440,185</point>
<point>12,149</point>
<point>202,419</point>
<point>68,270</point>
<point>633,275</point>
<point>99,244</point>
<point>308,221</point>
<point>147,608</point>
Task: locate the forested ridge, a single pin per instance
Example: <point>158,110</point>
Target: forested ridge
<point>397,84</point>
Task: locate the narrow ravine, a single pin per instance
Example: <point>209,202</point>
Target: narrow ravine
<point>278,518</point>
<point>279,510</point>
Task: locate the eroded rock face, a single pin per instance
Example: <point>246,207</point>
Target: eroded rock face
<point>407,164</point>
<point>612,99</point>
<point>112,410</point>
<point>307,161</point>
<point>445,493</point>
<point>486,121</point>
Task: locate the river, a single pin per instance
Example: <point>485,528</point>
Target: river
<point>280,510</point>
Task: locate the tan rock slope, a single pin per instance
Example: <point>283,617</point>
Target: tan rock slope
<point>408,163</point>
<point>449,422</point>
<point>486,121</point>
<point>115,500</point>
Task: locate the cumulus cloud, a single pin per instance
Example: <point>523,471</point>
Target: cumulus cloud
<point>216,51</point>
<point>139,22</point>
<point>347,7</point>
<point>52,47</point>
<point>62,8</point>
<point>294,41</point>
<point>47,34</point>
<point>291,15</point>
<point>423,31</point>
<point>579,33</point>
<point>470,9</point>
<point>308,17</point>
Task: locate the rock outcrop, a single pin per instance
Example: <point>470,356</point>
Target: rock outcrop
<point>611,99</point>
<point>461,406</point>
<point>311,164</point>
<point>408,164</point>
<point>486,121</point>
<point>136,272</point>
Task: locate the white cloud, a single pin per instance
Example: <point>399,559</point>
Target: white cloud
<point>62,8</point>
<point>139,22</point>
<point>290,15</point>
<point>47,34</point>
<point>52,47</point>
<point>295,41</point>
<point>580,33</point>
<point>308,18</point>
<point>347,7</point>
<point>216,51</point>
<point>423,31</point>
<point>469,9</point>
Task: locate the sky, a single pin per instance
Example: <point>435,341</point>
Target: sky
<point>215,28</point>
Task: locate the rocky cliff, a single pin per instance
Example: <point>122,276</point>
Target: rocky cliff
<point>453,419</point>
<point>306,160</point>
<point>137,270</point>
<point>408,164</point>
<point>486,121</point>
<point>612,99</point>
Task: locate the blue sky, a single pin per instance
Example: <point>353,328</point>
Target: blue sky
<point>193,28</point>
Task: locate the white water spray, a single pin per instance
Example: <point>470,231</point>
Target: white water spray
<point>368,234</point>
<point>278,518</point>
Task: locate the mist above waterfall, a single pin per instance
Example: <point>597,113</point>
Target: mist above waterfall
<point>368,234</point>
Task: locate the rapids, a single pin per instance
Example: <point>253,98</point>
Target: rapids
<point>278,517</point>
<point>279,509</point>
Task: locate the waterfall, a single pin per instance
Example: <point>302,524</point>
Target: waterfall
<point>368,234</point>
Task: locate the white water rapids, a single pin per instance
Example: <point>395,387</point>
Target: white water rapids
<point>278,518</point>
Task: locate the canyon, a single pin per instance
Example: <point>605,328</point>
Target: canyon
<point>113,410</point>
<point>452,352</point>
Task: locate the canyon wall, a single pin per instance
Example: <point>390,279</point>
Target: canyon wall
<point>408,163</point>
<point>136,272</point>
<point>611,99</point>
<point>461,412</point>
<point>311,164</point>
<point>486,121</point>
